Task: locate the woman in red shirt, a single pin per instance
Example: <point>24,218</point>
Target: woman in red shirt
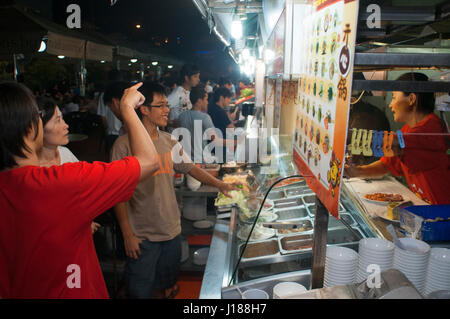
<point>423,161</point>
<point>46,245</point>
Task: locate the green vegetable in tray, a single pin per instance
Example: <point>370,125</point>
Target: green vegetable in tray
<point>236,197</point>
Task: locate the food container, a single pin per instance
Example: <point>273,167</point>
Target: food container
<point>293,213</point>
<point>288,202</point>
<point>305,229</point>
<point>212,169</point>
<point>260,249</point>
<point>276,195</point>
<point>233,167</point>
<point>295,243</point>
<point>435,223</point>
<point>309,199</point>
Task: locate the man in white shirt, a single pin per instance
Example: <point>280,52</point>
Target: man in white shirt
<point>107,105</point>
<point>179,98</point>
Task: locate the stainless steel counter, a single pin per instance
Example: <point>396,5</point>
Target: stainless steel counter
<point>217,265</point>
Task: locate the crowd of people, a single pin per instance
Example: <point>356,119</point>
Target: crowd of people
<point>50,199</point>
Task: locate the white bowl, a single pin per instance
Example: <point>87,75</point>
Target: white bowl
<point>342,264</point>
<point>201,256</point>
<point>341,253</point>
<point>203,224</point>
<point>287,289</point>
<point>419,246</point>
<point>441,255</point>
<point>375,244</point>
<point>380,260</point>
<point>255,294</point>
<point>439,268</point>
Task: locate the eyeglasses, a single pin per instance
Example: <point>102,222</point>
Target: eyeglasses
<point>160,105</point>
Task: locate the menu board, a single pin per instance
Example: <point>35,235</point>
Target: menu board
<point>325,58</point>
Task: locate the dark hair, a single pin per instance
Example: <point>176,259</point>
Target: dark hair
<point>197,93</point>
<point>224,81</point>
<point>48,105</point>
<point>188,70</point>
<point>425,100</point>
<point>18,114</point>
<point>221,92</point>
<point>114,90</point>
<point>148,89</point>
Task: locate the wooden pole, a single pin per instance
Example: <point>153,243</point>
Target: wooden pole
<point>319,247</point>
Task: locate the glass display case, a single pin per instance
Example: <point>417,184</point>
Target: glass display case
<point>250,250</point>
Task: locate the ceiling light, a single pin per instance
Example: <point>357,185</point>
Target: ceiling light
<point>43,47</point>
<point>236,28</point>
<point>102,61</point>
<point>61,57</point>
<point>133,60</point>
<point>170,66</point>
<point>155,63</point>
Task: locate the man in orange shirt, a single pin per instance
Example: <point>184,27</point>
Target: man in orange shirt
<point>424,161</point>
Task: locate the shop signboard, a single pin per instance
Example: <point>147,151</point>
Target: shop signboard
<point>326,38</point>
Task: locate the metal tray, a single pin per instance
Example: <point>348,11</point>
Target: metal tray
<point>309,199</point>
<point>305,240</point>
<point>276,194</point>
<point>260,250</point>
<point>308,224</point>
<point>291,213</point>
<point>288,202</point>
<point>295,191</point>
<point>343,236</point>
<point>333,222</point>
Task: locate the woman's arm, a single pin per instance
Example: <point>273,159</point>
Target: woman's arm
<point>374,169</point>
<point>140,142</point>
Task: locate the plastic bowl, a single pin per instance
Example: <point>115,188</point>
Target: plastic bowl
<point>341,253</point>
<point>287,289</point>
<point>255,294</point>
<point>377,244</point>
<point>201,256</point>
<point>416,246</point>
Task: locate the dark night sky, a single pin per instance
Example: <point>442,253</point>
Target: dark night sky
<point>163,18</point>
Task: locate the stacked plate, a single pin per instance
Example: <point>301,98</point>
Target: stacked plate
<point>340,266</point>
<point>374,251</point>
<point>438,271</point>
<point>413,262</point>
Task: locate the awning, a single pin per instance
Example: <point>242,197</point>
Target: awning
<point>21,31</point>
<point>99,52</point>
<point>58,44</point>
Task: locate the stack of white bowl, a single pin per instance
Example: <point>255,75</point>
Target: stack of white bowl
<point>413,261</point>
<point>374,251</point>
<point>340,266</point>
<point>438,271</point>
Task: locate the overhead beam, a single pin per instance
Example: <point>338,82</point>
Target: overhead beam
<point>403,59</point>
<point>404,86</point>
